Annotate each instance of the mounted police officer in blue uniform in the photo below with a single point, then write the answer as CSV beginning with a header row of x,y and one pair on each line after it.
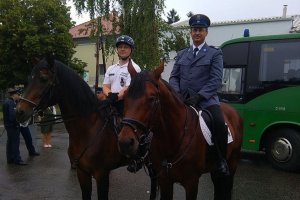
x,y
196,76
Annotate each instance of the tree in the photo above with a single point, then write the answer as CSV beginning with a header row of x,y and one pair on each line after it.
x,y
172,16
138,18
30,28
142,20
189,14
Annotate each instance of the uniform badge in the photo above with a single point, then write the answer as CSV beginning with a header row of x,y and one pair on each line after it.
x,y
122,82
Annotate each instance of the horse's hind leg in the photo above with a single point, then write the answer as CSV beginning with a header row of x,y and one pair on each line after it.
x,y
85,182
222,186
102,185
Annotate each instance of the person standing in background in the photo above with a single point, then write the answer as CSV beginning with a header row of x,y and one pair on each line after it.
x,y
25,131
47,122
12,128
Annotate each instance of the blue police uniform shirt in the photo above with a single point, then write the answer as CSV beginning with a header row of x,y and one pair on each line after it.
x,y
198,75
9,114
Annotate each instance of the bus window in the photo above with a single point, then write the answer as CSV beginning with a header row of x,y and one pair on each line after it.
x,y
235,62
232,81
232,84
280,62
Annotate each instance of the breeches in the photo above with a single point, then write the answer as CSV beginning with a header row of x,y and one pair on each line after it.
x,y
219,130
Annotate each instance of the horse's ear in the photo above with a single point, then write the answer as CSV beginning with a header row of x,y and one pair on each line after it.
x,y
131,69
157,72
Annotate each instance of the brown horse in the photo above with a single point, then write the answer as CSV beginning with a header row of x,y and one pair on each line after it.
x,y
177,147
93,147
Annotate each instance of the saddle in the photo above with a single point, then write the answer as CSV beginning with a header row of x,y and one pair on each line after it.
x,y
206,125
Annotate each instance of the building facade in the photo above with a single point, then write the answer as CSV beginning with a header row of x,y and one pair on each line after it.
x,y
86,48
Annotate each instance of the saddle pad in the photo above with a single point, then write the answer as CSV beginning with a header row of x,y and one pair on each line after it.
x,y
206,132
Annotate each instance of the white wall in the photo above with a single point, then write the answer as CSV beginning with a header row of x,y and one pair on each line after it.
x,y
219,34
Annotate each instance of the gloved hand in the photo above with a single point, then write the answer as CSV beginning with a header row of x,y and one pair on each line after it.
x,y
112,97
194,100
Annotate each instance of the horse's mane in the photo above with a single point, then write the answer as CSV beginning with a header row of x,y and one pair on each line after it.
x,y
79,93
74,89
136,88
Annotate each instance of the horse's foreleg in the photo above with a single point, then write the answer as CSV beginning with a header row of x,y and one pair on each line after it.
x,y
191,188
85,181
102,185
166,188
153,179
222,186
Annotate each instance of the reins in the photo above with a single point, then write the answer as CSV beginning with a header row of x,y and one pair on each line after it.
x,y
179,156
75,162
147,134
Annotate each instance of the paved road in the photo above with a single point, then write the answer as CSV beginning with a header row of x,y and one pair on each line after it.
x,y
49,177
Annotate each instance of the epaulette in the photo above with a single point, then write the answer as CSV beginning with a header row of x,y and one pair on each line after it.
x,y
214,47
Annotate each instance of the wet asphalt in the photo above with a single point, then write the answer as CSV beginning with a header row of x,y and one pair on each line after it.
x,y
49,177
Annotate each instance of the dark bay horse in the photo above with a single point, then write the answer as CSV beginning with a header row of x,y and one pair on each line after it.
x,y
93,146
178,150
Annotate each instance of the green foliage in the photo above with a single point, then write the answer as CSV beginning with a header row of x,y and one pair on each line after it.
x,y
78,65
140,19
175,39
30,28
172,16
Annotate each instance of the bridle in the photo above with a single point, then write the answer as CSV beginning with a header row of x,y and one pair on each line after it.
x,y
47,94
147,134
146,130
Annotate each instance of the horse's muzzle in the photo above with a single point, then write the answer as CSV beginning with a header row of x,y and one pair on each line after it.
x,y
23,116
128,147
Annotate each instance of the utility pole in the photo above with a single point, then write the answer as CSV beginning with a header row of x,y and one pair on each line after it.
x,y
103,53
97,62
97,52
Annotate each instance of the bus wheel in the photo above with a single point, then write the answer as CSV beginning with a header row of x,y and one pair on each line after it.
x,y
283,149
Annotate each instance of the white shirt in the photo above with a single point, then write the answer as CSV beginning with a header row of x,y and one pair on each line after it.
x,y
117,76
199,47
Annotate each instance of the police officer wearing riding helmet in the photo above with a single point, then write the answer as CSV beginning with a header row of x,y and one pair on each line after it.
x,y
196,76
117,77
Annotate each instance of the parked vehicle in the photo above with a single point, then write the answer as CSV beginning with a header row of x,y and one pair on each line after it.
x,y
261,79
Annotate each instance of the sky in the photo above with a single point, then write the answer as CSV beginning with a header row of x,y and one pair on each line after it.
x,y
222,10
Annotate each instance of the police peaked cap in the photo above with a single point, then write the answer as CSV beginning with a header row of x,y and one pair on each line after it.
x,y
199,20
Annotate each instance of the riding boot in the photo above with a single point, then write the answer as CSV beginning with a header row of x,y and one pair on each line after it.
x,y
221,148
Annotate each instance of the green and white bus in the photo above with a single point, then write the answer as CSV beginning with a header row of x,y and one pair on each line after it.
x,y
261,79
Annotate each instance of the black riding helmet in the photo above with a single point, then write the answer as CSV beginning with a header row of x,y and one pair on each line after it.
x,y
125,39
